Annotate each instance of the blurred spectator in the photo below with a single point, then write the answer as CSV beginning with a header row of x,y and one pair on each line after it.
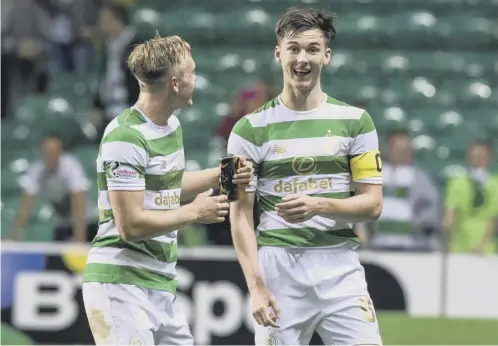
x,y
410,217
60,178
24,50
118,89
245,102
72,29
471,204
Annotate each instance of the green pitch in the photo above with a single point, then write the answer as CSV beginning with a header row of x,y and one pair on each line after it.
x,y
400,329
396,329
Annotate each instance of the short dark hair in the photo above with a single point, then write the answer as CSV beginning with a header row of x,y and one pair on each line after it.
x,y
52,135
296,20
397,132
485,143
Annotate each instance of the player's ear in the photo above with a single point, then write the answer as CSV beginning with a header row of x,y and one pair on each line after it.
x,y
328,54
277,54
175,84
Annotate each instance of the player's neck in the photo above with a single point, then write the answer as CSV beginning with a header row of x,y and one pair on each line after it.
x,y
155,107
301,100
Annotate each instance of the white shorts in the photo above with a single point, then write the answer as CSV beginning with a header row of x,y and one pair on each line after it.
x,y
322,290
130,315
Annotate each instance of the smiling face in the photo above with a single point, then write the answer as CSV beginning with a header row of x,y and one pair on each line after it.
x,y
302,56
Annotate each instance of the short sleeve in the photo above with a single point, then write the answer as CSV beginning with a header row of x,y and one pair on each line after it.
x,y
364,155
75,175
124,156
30,183
243,141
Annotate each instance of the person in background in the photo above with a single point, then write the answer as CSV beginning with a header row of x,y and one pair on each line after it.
x,y
118,89
60,178
72,28
471,205
24,50
245,102
410,216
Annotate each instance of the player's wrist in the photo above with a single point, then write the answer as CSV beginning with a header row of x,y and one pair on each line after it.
x,y
324,206
215,178
257,284
191,212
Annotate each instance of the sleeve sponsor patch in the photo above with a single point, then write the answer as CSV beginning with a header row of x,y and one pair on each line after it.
x,y
119,171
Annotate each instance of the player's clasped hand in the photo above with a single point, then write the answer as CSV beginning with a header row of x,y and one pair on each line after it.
x,y
211,209
264,308
296,208
245,173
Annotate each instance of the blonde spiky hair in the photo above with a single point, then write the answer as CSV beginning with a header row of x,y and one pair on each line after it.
x,y
153,59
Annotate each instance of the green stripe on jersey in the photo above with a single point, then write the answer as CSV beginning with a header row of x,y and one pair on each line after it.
x,y
100,272
106,216
254,135
268,202
334,101
126,134
167,181
164,252
166,145
304,237
278,169
270,104
130,117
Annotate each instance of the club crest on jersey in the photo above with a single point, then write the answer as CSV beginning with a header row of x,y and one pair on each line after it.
x,y
119,171
333,143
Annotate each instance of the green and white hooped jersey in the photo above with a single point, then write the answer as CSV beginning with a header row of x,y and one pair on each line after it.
x,y
320,152
137,155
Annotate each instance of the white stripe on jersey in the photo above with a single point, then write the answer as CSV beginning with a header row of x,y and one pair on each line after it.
x,y
271,220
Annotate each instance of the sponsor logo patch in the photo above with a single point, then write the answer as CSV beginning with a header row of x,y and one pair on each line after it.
x,y
119,171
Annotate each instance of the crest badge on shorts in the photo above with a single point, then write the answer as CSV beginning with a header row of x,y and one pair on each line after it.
x,y
136,341
333,143
271,340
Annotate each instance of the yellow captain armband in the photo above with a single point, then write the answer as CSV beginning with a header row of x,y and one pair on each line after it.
x,y
367,167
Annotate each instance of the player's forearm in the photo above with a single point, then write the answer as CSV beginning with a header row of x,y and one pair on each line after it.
x,y
490,232
153,223
79,216
22,215
194,183
244,241
364,207
79,225
19,221
449,219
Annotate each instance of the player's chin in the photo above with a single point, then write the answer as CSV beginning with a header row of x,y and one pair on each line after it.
x,y
304,85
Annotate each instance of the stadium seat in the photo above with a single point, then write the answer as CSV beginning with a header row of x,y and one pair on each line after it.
x,y
87,155
47,114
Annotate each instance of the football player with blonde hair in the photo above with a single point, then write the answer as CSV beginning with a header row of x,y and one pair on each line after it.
x,y
130,276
